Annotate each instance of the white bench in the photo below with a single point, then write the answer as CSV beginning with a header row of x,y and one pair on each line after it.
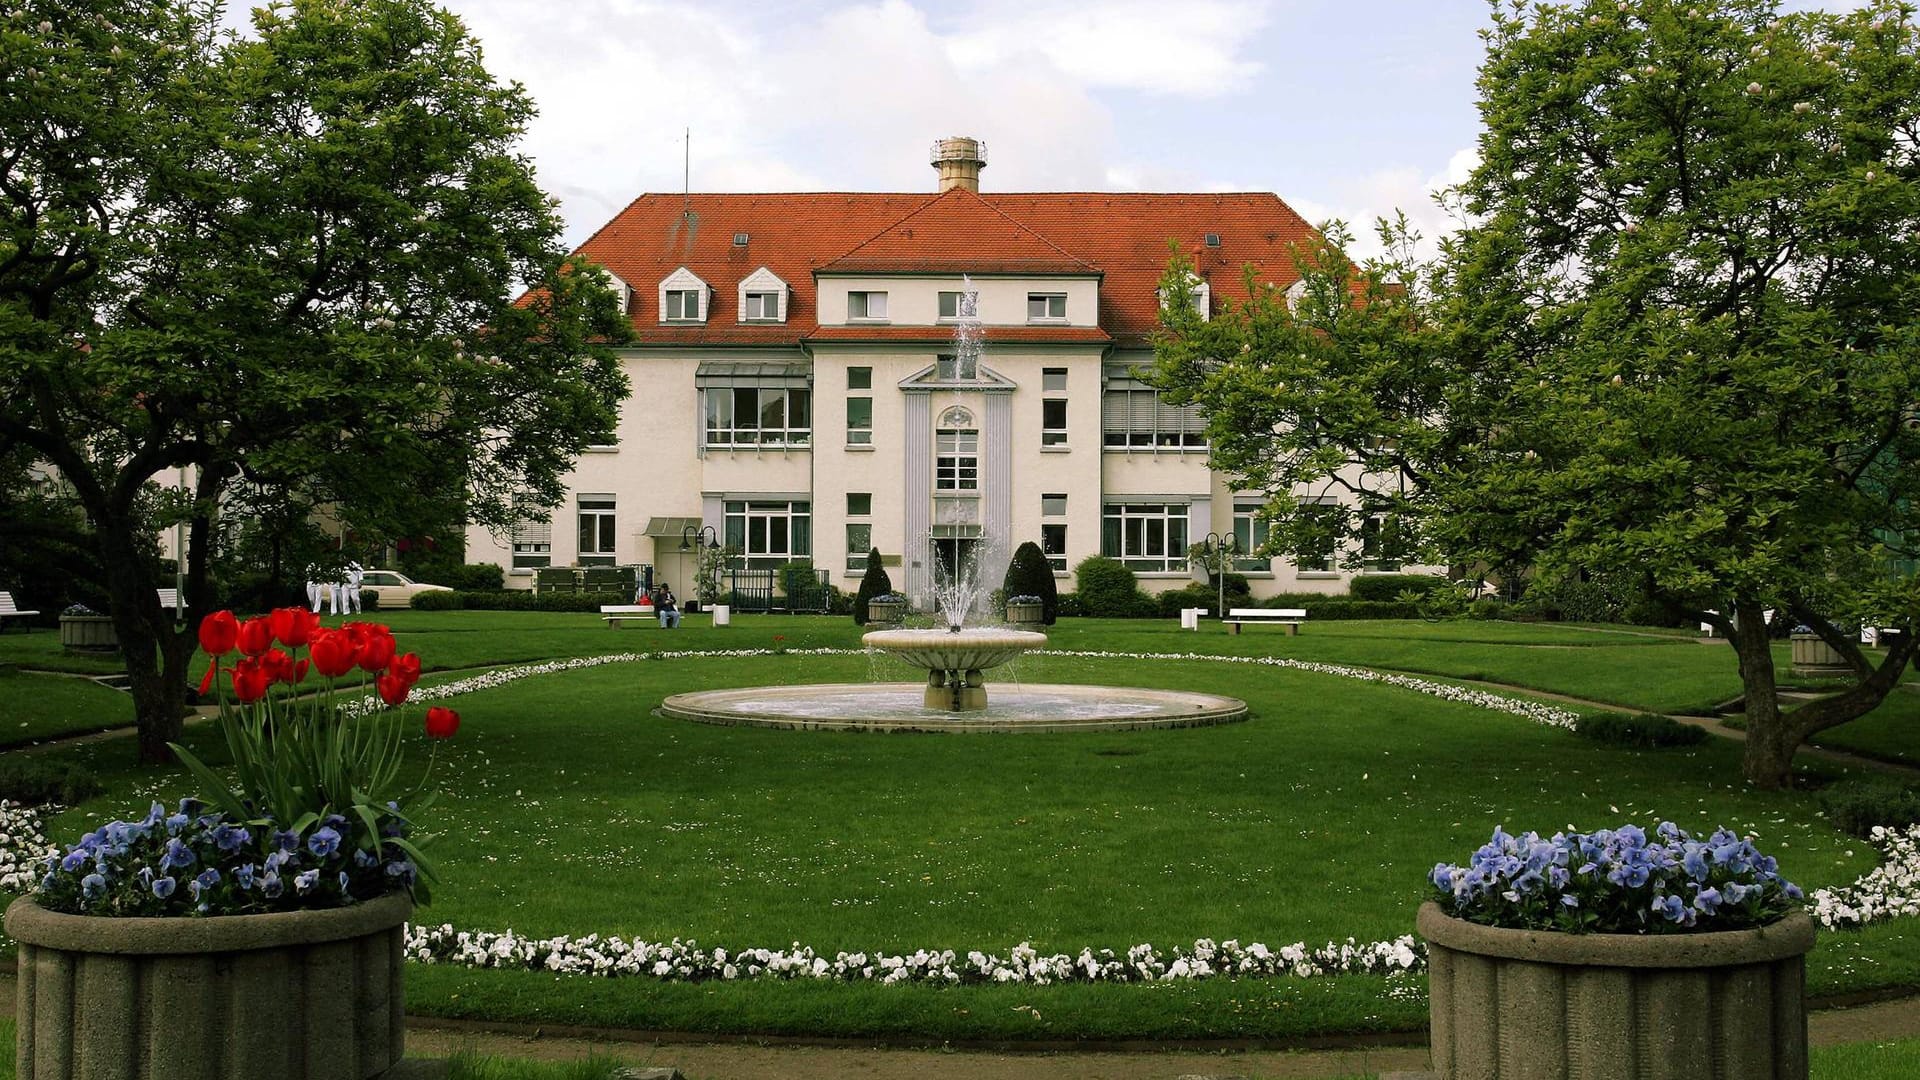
x,y
169,599
1291,618
9,608
615,614
1190,617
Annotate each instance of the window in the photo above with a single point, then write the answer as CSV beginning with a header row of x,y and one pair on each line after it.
x,y
763,415
859,542
1046,307
1053,544
769,533
1053,534
1202,297
1146,536
1053,422
1319,535
1249,532
532,545
1053,379
1381,543
859,421
956,461
859,504
1139,418
867,305
596,530
959,305
859,378
762,307
683,305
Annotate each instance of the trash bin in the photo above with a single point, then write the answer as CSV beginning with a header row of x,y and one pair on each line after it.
x,y
1190,618
722,615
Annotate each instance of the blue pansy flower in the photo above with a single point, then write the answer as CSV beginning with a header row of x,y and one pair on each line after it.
x,y
306,880
324,841
92,885
163,887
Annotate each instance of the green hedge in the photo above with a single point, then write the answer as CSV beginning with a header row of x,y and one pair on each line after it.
x,y
1390,586
1647,731
1856,806
512,600
36,782
474,577
1107,590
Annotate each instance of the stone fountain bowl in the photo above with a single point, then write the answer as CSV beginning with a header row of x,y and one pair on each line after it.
x,y
972,649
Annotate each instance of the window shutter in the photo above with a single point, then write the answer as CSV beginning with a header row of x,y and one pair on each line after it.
x,y
1113,411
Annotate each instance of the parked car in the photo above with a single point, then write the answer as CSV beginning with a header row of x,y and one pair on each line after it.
x,y
394,589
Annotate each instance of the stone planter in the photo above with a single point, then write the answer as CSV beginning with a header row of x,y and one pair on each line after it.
x,y
306,995
889,612
88,632
1026,614
1525,1004
1812,656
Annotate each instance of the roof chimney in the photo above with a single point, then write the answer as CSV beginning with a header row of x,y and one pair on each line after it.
x,y
959,160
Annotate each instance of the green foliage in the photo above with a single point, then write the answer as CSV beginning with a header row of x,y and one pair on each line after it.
x,y
437,601
709,564
1647,731
1487,608
1107,589
36,781
1029,574
516,600
1857,806
1391,586
290,255
874,582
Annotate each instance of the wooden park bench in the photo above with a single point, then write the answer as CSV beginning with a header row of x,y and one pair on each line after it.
x,y
1291,618
615,614
9,609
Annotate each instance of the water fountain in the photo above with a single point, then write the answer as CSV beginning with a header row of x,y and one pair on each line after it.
x,y
955,657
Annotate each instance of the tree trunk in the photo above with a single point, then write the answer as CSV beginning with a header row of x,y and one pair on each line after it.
x,y
1769,757
155,654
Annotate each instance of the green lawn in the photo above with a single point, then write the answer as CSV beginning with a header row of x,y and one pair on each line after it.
x,y
34,706
571,809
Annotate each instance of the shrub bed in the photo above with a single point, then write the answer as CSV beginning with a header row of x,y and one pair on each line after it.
x,y
1856,806
1647,731
1390,586
36,782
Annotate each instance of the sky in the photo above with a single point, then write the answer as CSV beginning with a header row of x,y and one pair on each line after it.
x,y
1344,108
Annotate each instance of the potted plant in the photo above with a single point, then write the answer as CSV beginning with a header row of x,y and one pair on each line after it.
x,y
255,931
83,628
1812,656
1618,954
888,609
1026,610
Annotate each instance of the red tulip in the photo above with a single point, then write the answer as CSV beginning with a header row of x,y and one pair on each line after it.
x,y
299,671
442,722
294,626
393,689
250,682
256,636
218,632
278,666
333,652
376,652
206,681
407,666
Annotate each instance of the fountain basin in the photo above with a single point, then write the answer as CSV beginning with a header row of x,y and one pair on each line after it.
x,y
891,707
954,659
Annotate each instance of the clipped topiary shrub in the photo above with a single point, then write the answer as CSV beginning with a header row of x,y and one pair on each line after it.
x,y
1107,590
437,601
35,782
874,582
1856,806
1030,575
1390,586
1647,731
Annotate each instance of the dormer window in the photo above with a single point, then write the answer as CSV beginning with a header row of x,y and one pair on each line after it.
x,y
684,298
1202,296
763,297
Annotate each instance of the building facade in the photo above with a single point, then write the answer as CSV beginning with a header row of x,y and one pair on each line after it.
x,y
939,376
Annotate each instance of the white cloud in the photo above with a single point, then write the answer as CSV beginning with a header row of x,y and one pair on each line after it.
x,y
1190,49
1380,193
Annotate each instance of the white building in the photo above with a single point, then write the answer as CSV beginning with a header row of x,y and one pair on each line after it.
x,y
797,387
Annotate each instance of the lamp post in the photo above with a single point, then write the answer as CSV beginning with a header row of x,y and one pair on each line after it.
x,y
693,538
1217,550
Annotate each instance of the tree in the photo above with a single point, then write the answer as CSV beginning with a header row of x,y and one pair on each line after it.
x,y
1680,331
1029,574
283,261
874,582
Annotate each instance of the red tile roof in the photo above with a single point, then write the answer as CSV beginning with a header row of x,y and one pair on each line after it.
x,y
994,335
1124,237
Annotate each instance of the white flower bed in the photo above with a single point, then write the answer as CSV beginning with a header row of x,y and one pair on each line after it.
x,y
1887,891
23,847
1550,715
687,961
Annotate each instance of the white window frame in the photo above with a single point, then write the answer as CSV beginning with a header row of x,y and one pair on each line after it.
x,y
1202,297
862,309
764,530
956,460
760,307
1150,538
1249,532
757,286
1047,300
1054,506
965,304
1053,436
684,280
721,417
598,528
